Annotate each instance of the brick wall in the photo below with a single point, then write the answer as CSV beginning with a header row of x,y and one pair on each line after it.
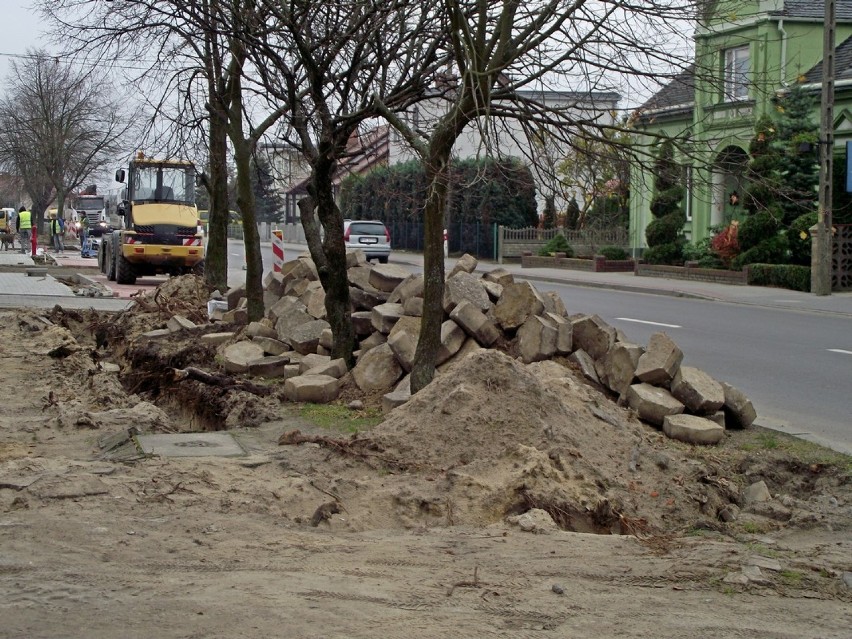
x,y
691,273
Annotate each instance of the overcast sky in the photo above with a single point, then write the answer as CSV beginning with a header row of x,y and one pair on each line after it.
x,y
21,29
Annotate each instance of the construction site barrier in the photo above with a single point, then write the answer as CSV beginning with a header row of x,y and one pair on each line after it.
x,y
277,250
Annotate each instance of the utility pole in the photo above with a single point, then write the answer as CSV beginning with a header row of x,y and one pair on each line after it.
x,y
822,237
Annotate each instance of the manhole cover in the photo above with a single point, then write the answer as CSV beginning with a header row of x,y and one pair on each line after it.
x,y
191,445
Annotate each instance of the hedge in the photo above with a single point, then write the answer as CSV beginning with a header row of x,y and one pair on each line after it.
x,y
791,276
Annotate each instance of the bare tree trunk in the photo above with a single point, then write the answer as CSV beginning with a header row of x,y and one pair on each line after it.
x,y
251,238
330,256
437,176
216,260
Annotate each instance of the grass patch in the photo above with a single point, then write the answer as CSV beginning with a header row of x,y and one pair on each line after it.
x,y
791,578
795,447
753,528
339,418
764,551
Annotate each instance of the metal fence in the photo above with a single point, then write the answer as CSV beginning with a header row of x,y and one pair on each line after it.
x,y
476,239
483,241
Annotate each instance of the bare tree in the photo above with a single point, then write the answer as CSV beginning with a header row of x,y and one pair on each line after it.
x,y
499,48
58,127
324,61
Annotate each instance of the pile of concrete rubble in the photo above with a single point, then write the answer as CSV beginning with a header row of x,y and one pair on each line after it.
x,y
293,342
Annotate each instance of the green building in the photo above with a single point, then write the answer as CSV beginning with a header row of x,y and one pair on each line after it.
x,y
747,55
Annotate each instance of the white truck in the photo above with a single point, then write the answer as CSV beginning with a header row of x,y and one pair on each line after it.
x,y
93,207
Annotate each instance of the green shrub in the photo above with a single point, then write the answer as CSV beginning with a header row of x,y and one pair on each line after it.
x,y
702,253
671,253
664,230
800,247
756,228
558,244
791,276
613,253
771,251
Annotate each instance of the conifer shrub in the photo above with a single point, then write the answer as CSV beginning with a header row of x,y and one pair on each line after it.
x,y
557,244
799,238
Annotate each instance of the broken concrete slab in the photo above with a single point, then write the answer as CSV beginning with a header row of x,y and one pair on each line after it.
x,y
499,276
660,362
467,263
215,339
739,411
261,329
377,369
516,304
475,323
586,364
617,368
384,316
453,337
403,340
237,356
410,287
593,335
271,346
692,429
304,338
695,389
386,277
319,389
334,368
180,323
465,287
269,366
536,339
652,403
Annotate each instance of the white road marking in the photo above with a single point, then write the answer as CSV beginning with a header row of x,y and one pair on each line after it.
x,y
838,350
638,321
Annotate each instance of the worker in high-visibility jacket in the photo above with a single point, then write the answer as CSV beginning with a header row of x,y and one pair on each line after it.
x,y
24,226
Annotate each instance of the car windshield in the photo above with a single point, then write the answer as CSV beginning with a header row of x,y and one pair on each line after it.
x,y
90,204
163,183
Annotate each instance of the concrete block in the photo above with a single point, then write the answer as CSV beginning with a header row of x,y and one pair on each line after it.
x,y
692,429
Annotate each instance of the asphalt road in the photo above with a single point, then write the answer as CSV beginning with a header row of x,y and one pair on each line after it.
x,y
796,366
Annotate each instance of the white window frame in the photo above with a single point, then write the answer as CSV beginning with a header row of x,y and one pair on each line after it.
x,y
689,185
737,67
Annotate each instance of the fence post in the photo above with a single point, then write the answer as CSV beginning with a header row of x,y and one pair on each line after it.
x,y
501,231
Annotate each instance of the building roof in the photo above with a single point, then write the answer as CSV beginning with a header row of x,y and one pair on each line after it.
x,y
842,64
679,92
813,9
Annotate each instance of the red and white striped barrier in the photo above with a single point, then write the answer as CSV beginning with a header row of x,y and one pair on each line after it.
x,y
277,250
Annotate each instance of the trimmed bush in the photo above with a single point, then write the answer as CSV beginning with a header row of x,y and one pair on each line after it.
x,y
771,251
557,244
664,230
613,253
757,228
799,238
790,276
664,254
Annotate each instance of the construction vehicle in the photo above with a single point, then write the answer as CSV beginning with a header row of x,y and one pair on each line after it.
x,y
160,223
93,207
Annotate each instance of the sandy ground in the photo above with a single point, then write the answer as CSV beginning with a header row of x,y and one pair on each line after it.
x,y
427,541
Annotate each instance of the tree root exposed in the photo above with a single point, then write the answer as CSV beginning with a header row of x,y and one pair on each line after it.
x,y
222,381
361,449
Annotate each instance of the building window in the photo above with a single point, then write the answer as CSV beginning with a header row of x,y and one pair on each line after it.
x,y
687,178
736,73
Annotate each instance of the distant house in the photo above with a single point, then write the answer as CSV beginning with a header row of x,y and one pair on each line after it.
x,y
747,54
383,146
